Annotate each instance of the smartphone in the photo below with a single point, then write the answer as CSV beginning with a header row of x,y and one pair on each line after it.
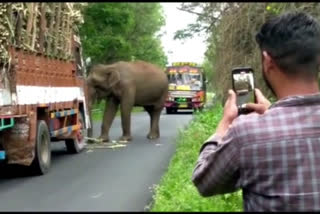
x,y
243,85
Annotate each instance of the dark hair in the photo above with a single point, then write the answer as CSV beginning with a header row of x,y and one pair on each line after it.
x,y
293,41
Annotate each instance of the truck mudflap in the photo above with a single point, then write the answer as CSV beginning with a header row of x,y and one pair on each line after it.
x,y
18,143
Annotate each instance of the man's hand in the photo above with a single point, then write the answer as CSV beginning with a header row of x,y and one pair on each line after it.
x,y
262,104
230,112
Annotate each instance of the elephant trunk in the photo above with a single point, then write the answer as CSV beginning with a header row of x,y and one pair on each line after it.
x,y
91,101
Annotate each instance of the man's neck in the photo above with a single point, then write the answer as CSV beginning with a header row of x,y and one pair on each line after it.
x,y
293,88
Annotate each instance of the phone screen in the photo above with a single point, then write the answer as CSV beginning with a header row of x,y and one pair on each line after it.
x,y
243,83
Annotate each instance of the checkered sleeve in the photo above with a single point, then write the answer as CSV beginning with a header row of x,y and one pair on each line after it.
x,y
217,168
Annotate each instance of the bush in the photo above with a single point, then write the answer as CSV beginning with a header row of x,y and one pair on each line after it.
x,y
176,191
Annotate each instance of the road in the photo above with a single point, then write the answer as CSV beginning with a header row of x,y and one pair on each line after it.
x,y
100,179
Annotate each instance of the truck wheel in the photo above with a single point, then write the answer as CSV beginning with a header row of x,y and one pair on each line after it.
x,y
78,143
169,110
42,161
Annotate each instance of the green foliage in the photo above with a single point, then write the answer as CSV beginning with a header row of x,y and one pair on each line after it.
x,y
123,31
207,67
176,191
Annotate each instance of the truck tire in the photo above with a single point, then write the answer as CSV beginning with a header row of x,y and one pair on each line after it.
x,y
42,161
78,143
169,110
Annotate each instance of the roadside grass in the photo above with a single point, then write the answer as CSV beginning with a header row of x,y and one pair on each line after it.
x,y
98,109
176,191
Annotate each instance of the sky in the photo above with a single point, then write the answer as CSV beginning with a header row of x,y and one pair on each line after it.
x,y
189,50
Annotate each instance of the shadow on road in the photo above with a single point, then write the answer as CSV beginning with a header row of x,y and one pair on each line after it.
x,y
14,171
9,171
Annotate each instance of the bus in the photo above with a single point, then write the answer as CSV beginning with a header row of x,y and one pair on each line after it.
x,y
187,87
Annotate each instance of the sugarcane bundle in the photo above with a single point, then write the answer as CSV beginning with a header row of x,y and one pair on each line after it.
x,y
5,33
39,27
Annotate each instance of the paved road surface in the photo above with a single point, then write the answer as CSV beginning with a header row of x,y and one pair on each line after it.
x,y
98,180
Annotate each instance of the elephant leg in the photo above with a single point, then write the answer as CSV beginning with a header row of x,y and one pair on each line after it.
x,y
149,109
110,111
127,103
155,117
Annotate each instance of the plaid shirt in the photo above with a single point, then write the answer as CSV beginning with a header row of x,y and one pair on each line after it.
x,y
274,158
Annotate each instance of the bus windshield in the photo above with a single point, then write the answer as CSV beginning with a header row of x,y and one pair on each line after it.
x,y
192,79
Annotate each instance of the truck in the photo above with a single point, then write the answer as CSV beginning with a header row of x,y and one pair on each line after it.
x,y
43,95
187,87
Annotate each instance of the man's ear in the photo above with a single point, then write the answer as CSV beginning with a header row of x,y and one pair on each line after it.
x,y
269,63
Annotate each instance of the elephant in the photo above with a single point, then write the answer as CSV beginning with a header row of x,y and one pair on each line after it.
x,y
128,84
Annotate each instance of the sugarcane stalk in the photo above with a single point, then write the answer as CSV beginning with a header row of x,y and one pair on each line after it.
x,y
61,34
57,27
9,12
34,29
18,30
70,23
30,21
43,24
66,27
9,21
50,32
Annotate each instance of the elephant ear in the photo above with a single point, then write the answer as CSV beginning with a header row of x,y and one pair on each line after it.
x,y
113,76
104,76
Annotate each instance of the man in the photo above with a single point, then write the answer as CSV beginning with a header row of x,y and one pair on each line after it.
x,y
273,154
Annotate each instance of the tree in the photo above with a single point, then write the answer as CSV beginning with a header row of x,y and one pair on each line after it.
x,y
231,29
123,31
